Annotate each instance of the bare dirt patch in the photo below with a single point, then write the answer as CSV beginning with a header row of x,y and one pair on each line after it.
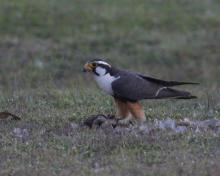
x,y
176,126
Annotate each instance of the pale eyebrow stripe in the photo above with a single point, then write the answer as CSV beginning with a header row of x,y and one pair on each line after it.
x,y
102,62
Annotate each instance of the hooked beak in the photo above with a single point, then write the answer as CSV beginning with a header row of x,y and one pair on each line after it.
x,y
88,67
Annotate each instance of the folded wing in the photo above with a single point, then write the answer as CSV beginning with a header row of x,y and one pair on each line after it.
x,y
134,87
165,83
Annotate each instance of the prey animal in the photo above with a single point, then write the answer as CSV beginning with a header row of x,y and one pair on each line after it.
x,y
128,88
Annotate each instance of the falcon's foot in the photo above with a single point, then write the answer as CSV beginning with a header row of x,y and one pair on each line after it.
x,y
125,121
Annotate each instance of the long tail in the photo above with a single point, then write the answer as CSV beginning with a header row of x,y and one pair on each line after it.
x,y
173,93
166,83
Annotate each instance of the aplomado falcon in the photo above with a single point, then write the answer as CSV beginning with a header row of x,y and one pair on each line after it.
x,y
128,88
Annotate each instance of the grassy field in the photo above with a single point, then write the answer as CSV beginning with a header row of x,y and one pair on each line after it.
x,y
43,46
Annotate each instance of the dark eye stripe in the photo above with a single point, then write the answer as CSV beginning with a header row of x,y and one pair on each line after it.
x,y
94,64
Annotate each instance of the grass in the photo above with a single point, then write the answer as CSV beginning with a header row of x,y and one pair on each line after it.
x,y
43,45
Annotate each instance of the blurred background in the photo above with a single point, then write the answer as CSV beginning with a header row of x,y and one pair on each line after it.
x,y
47,42
43,47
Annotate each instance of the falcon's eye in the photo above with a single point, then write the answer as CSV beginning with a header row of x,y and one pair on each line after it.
x,y
94,64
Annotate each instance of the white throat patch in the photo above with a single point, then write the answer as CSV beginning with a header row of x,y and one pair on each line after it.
x,y
104,81
101,71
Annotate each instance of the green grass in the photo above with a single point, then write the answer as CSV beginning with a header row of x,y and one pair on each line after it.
x,y
43,46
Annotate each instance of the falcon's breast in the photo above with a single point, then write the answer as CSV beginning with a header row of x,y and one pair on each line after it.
x,y
105,82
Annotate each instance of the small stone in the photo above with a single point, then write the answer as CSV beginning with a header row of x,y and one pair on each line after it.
x,y
184,122
144,128
74,125
180,129
20,133
167,124
210,123
218,130
197,130
108,124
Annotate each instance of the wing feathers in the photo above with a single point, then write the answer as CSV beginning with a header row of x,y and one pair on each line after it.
x,y
133,87
166,92
165,83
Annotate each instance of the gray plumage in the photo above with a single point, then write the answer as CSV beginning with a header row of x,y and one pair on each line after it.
x,y
128,88
133,87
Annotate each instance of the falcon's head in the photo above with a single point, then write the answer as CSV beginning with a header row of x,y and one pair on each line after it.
x,y
97,66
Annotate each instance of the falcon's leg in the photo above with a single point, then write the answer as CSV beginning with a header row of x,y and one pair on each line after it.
x,y
122,109
136,110
122,113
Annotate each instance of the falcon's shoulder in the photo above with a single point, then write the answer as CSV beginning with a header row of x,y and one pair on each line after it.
x,y
132,86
